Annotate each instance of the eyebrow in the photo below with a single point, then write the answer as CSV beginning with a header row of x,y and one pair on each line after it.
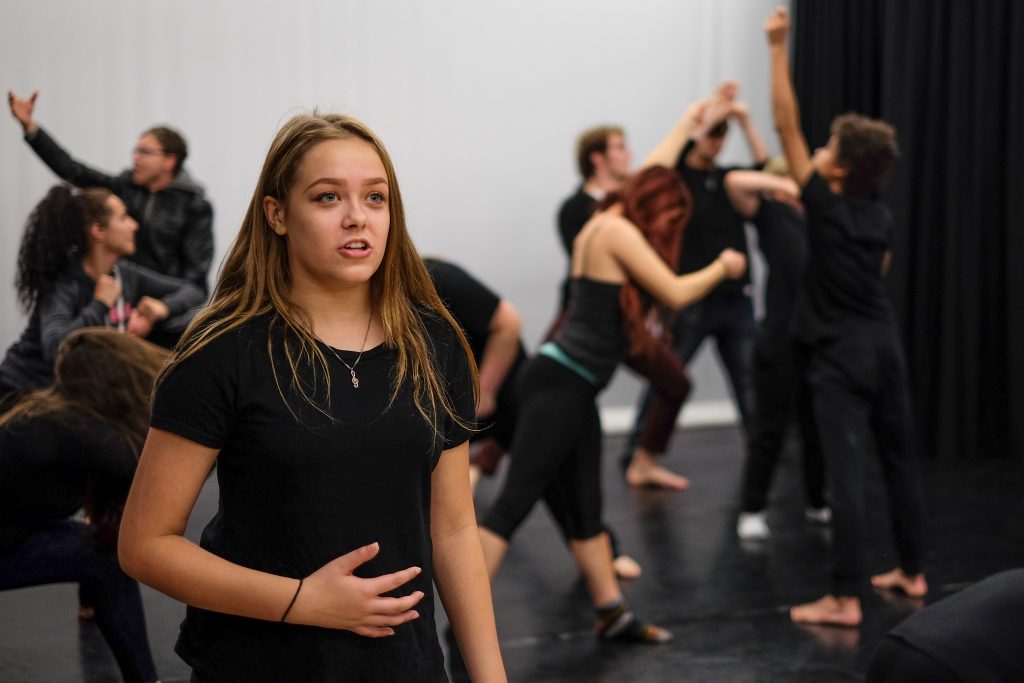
x,y
343,182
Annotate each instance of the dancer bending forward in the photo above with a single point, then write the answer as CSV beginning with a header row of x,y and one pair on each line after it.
x,y
619,274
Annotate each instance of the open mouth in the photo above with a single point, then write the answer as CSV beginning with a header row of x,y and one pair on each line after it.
x,y
356,245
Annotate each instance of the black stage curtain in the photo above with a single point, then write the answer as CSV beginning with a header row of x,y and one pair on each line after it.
x,y
949,75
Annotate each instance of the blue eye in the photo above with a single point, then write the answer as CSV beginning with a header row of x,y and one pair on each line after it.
x,y
377,197
327,197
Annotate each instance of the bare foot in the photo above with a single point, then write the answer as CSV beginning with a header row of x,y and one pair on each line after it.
x,y
626,568
646,472
842,611
914,586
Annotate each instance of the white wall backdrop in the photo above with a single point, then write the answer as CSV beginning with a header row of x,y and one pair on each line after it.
x,y
479,103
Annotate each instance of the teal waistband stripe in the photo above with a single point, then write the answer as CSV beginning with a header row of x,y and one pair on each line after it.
x,y
554,352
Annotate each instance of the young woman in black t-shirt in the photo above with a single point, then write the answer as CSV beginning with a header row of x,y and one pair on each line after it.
x,y
71,446
335,394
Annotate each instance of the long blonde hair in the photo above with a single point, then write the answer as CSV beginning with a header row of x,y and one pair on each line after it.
x,y
255,277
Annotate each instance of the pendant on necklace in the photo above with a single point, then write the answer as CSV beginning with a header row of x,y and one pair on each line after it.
x,y
355,380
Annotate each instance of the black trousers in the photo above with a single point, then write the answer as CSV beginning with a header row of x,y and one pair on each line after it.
x,y
556,453
862,405
779,380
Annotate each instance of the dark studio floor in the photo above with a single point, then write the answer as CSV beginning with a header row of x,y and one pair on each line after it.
x,y
725,602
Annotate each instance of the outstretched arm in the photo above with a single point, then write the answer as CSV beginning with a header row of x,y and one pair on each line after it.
x,y
22,109
642,265
52,154
745,189
784,107
741,112
667,151
695,121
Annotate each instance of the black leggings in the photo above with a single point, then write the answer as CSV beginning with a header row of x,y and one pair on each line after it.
x,y
556,453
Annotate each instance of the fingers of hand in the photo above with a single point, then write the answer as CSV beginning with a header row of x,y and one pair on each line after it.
x,y
389,582
359,556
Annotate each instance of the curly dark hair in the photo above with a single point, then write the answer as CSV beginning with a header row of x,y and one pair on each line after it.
x,y
55,236
658,202
867,149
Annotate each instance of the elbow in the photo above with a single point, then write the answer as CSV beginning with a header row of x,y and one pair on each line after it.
x,y
128,557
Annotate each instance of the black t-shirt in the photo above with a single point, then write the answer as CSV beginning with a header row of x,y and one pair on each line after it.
x,y
473,305
46,464
975,633
299,488
572,216
714,224
780,234
847,239
470,302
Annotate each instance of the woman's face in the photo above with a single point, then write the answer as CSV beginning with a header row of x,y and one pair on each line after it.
x,y
117,235
336,218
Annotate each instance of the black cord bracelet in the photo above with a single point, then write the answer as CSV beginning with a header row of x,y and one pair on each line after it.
x,y
290,604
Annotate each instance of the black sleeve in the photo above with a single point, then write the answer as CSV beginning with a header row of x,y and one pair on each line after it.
x,y
572,216
60,314
454,364
61,163
197,243
197,399
469,301
177,294
687,148
816,196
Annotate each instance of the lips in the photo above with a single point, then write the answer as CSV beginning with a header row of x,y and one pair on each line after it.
x,y
356,248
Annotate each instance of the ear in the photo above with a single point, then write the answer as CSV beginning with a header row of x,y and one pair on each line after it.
x,y
170,160
96,232
274,210
597,159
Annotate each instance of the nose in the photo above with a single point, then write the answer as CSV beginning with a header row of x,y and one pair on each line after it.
x,y
355,217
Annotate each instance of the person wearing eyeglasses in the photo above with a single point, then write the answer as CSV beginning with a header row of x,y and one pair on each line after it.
x,y
175,219
727,314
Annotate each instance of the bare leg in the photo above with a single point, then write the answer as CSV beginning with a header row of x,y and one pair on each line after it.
x,y
914,586
644,470
594,558
836,611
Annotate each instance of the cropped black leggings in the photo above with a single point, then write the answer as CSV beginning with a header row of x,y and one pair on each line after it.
x,y
555,454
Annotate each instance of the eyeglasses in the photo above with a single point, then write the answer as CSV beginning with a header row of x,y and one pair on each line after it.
x,y
147,152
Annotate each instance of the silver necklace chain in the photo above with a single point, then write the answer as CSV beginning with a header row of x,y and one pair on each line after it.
x,y
352,368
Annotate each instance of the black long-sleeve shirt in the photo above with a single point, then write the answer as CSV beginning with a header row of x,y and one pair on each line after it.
x,y
70,304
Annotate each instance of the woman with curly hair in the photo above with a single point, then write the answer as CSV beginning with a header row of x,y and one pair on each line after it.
x,y
71,274
620,273
74,446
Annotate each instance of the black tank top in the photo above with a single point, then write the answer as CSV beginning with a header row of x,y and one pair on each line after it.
x,y
592,335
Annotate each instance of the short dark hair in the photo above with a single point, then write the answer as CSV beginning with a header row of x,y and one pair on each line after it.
x,y
590,141
172,143
867,149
